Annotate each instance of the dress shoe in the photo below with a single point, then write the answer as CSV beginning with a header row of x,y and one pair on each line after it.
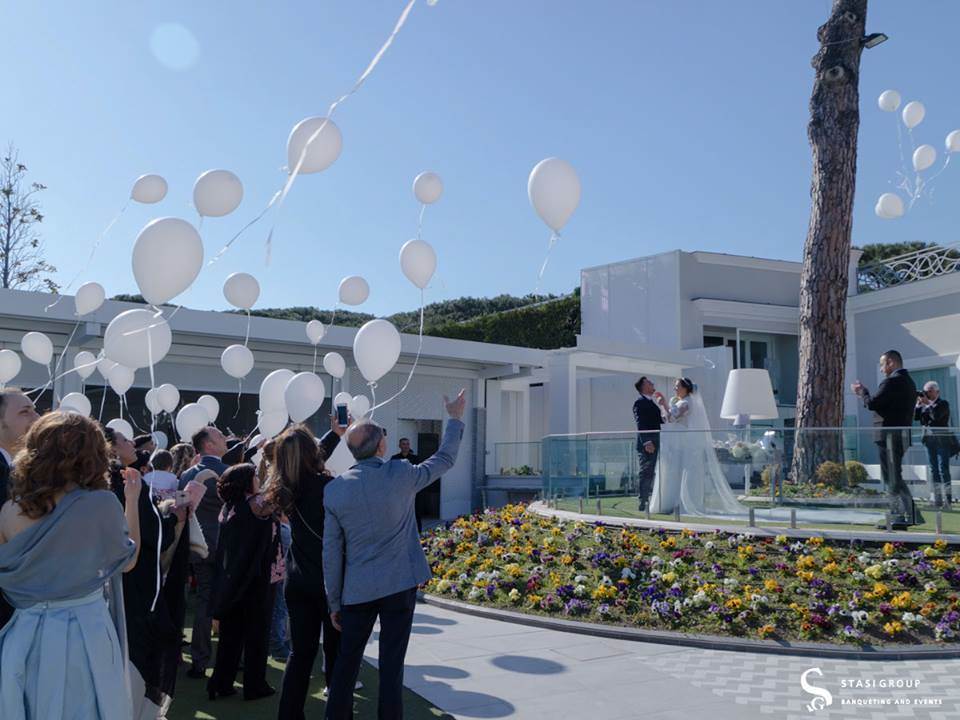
x,y
265,691
213,692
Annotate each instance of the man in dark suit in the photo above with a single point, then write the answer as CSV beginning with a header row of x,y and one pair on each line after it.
x,y
933,412
211,446
648,414
17,414
407,454
894,402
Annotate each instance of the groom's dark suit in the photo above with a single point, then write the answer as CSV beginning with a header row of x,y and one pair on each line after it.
x,y
648,417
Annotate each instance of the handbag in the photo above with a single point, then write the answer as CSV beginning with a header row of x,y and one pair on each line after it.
x,y
198,543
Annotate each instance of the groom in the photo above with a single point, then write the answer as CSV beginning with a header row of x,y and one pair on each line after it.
x,y
648,414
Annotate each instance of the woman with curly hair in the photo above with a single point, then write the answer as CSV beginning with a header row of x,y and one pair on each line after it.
x,y
246,551
184,457
63,650
296,484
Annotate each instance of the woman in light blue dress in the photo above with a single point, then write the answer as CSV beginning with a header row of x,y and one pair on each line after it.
x,y
63,544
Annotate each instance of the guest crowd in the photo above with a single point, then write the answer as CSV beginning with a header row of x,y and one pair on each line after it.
x,y
104,540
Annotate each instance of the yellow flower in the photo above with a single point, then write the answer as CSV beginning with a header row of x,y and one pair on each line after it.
x,y
604,592
770,585
669,577
893,627
646,548
513,570
765,630
815,541
470,561
599,530
929,552
903,601
670,542
566,560
831,568
556,532
888,549
487,564
940,564
621,562
874,571
805,562
880,590
733,603
514,595
940,544
805,575
781,539
534,599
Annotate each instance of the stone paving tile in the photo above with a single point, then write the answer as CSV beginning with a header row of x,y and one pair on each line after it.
x,y
590,651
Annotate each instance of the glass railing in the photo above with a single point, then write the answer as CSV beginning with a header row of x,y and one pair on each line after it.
x,y
831,478
518,458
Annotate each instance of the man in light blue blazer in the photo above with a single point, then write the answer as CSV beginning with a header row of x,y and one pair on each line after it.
x,y
372,559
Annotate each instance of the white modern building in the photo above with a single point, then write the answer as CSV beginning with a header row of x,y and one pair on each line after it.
x,y
697,314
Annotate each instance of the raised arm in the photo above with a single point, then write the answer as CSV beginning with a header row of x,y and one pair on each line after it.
x,y
444,458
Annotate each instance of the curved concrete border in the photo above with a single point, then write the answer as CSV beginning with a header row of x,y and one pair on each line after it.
x,y
712,642
879,536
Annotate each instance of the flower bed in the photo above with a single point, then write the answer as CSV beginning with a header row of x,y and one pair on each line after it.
x,y
716,583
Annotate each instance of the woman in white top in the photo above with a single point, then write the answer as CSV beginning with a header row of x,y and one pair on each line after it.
x,y
666,494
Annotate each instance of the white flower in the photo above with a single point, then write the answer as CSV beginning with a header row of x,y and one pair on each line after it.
x,y
655,574
930,587
910,619
675,562
730,582
628,574
606,580
891,563
857,575
580,590
580,579
677,607
864,558
709,545
656,560
475,593
797,547
859,617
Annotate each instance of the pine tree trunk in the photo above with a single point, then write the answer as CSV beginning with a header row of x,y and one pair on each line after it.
x,y
834,122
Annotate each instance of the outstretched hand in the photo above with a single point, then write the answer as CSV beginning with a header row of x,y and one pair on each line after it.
x,y
456,407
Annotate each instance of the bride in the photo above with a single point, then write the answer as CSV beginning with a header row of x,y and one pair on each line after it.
x,y
689,474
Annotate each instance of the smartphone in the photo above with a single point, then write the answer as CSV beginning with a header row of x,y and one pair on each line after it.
x,y
342,420
181,498
921,394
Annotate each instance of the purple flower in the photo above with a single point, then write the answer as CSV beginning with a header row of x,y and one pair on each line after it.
x,y
490,589
576,607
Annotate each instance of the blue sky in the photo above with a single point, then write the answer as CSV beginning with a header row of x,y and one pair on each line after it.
x,y
686,122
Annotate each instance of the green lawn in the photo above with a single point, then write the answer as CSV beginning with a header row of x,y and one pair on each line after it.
x,y
620,506
191,702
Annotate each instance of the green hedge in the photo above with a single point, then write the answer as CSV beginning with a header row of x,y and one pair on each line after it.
x,y
547,326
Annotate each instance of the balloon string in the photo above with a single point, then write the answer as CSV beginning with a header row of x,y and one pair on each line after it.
x,y
239,395
333,317
93,251
242,230
316,133
413,369
554,237
373,397
246,338
103,400
40,389
56,368
423,207
315,347
153,380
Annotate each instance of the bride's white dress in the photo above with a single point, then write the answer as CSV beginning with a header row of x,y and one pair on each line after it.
x,y
689,475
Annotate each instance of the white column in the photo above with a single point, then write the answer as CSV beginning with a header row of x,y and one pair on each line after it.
x,y
563,394
494,434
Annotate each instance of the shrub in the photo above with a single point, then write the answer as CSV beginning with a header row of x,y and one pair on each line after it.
x,y
856,473
831,474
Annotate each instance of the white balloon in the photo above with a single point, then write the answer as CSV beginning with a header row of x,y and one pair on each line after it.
x,y
923,157
324,149
342,398
169,397
889,100
304,395
334,364
272,388
554,191
217,193
953,141
9,365
104,366
192,417
160,439
137,338
237,361
889,206
272,422
418,261
428,187
210,404
359,406
167,258
341,460
913,113
76,402
152,401
376,348
315,332
89,298
255,440
84,363
149,189
37,347
121,379
119,425
241,290
353,290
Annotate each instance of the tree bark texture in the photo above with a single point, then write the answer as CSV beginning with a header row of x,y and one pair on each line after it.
x,y
834,122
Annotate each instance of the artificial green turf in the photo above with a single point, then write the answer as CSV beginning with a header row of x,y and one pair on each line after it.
x,y
620,506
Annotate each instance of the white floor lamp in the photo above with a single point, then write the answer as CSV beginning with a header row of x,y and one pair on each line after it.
x,y
748,396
